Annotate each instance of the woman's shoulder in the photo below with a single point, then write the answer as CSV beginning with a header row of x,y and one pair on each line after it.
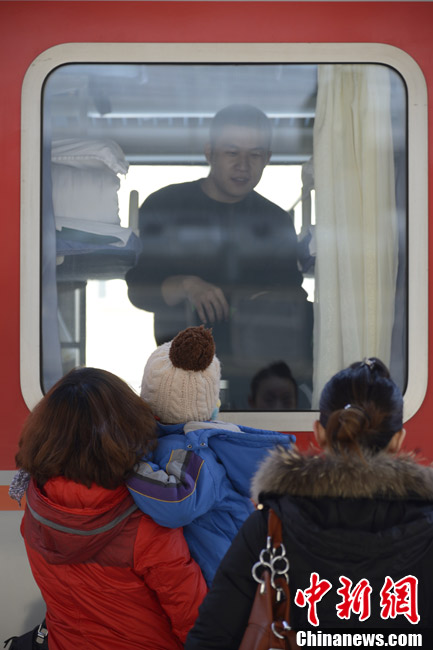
x,y
288,472
154,542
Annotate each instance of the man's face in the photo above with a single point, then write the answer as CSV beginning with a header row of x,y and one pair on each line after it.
x,y
237,160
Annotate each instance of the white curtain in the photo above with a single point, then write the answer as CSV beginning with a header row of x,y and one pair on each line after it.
x,y
356,220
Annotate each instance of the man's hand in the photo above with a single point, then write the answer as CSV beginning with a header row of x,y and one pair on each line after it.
x,y
206,298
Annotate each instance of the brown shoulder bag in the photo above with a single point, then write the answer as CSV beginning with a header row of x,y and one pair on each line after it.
x,y
269,623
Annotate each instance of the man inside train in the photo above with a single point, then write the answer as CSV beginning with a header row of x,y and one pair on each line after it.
x,y
216,252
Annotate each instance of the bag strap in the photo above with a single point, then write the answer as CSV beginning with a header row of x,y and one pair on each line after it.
x,y
275,528
41,635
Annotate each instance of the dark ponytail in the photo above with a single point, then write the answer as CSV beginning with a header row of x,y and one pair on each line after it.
x,y
361,408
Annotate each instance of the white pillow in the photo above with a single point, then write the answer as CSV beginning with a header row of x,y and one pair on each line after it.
x,y
89,154
85,194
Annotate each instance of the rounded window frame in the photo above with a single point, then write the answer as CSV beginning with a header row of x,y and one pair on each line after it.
x,y
417,207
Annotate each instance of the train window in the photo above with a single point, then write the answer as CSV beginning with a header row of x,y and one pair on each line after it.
x,y
275,196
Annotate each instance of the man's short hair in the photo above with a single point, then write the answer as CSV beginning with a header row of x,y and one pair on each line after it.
x,y
241,115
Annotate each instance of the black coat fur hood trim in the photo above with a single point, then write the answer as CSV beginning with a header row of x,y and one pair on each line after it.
x,y
383,475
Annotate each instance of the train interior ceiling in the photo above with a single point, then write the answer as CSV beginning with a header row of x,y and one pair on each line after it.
x,y
161,113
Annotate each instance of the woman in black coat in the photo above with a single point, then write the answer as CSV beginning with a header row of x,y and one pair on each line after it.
x,y
357,523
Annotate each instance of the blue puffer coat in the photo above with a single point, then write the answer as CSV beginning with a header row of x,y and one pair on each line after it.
x,y
199,478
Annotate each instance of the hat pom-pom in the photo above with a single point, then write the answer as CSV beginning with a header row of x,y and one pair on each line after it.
x,y
192,349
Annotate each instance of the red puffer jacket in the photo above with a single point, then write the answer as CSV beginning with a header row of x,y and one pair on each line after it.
x,y
110,576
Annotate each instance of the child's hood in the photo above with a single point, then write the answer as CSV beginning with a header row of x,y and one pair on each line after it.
x,y
238,448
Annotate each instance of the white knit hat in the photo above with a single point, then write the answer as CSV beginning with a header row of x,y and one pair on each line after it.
x,y
181,379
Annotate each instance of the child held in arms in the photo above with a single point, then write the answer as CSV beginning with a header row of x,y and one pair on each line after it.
x,y
199,475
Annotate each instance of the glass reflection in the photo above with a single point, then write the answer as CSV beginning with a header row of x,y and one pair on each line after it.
x,y
229,239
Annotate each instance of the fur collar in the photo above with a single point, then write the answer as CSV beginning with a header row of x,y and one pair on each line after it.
x,y
384,475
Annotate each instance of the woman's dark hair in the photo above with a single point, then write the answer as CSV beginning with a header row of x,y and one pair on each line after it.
x,y
361,408
90,427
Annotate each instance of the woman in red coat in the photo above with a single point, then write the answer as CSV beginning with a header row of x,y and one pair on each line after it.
x,y
110,576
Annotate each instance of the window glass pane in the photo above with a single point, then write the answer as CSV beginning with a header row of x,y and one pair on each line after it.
x,y
280,224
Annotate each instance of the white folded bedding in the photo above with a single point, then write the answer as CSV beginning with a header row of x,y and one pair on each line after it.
x,y
86,154
85,194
